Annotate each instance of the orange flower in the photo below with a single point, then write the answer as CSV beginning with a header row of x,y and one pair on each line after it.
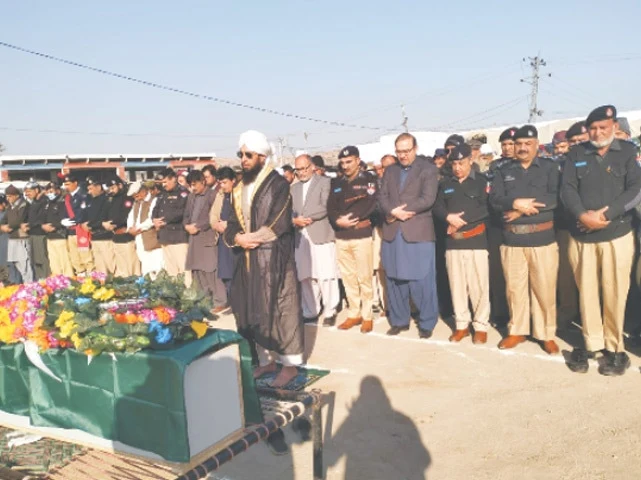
x,y
163,315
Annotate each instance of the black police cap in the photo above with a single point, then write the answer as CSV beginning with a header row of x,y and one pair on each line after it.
x,y
349,151
91,180
577,129
526,131
460,152
508,134
454,140
114,180
604,112
70,177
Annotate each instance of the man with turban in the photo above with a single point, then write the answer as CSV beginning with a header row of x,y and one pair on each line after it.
x,y
264,290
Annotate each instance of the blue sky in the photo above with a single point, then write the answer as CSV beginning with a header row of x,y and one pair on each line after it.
x,y
455,65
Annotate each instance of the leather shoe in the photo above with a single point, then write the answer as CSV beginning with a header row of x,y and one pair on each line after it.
x,y
479,338
425,334
349,323
329,321
615,364
367,326
396,330
511,341
459,335
550,347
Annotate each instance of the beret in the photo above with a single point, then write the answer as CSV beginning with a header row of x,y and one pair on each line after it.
x,y
560,137
577,129
454,140
507,134
603,112
440,152
11,190
460,152
349,151
624,125
526,131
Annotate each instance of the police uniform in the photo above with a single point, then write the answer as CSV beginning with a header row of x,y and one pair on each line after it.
x,y
101,246
78,243
173,237
59,261
37,238
125,258
354,246
529,253
19,251
500,313
590,183
466,249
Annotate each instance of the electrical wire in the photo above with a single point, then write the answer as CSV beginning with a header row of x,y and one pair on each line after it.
x,y
184,92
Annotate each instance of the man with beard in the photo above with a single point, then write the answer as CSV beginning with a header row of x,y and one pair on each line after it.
x,y
264,293
601,180
202,254
560,143
141,227
525,192
33,227
19,251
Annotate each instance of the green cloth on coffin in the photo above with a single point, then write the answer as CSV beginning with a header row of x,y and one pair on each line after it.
x,y
14,387
137,399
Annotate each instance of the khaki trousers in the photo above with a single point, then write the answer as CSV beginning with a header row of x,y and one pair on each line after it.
x,y
530,278
354,259
81,260
103,256
469,277
568,295
603,270
59,261
126,259
175,258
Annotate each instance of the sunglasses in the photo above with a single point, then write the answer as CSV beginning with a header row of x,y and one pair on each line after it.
x,y
247,155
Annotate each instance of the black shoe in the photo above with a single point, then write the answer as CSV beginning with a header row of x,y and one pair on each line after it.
x,y
329,321
276,443
376,309
396,330
578,361
615,364
310,319
422,333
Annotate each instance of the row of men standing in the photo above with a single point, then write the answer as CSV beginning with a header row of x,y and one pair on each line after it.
x,y
598,183
120,230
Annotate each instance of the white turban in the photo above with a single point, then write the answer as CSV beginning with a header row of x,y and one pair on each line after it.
x,y
255,142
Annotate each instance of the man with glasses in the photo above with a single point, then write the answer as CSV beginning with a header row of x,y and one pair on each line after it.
x,y
264,292
315,252
407,195
351,205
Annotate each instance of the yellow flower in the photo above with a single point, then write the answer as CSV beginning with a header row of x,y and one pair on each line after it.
x,y
104,294
67,329
6,333
199,327
7,292
87,287
64,317
75,338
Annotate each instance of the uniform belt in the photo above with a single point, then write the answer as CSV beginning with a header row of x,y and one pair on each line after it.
x,y
533,228
363,224
120,231
474,232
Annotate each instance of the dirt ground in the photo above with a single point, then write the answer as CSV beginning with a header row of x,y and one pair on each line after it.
x,y
405,408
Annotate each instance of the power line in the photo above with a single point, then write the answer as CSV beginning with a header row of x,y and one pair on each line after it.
x,y
184,92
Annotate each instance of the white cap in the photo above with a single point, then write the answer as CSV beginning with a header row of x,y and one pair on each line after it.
x,y
487,149
134,188
255,142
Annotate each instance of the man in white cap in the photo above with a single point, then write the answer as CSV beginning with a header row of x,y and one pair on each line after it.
x,y
264,290
141,226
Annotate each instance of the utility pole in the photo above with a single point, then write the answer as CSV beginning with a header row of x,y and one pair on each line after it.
x,y
535,63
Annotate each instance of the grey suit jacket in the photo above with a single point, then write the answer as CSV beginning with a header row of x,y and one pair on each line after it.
x,y
419,193
314,207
